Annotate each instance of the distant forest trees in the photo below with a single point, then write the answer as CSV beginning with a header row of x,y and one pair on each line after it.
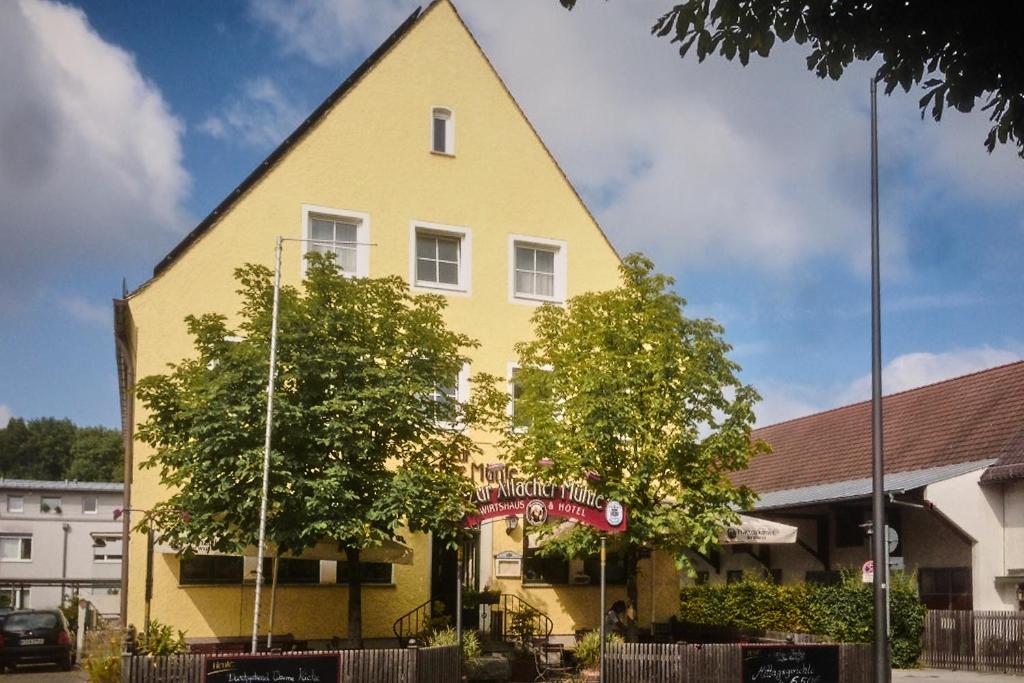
x,y
54,449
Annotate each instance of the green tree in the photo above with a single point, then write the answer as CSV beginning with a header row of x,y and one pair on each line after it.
x,y
97,454
962,52
364,446
620,385
36,449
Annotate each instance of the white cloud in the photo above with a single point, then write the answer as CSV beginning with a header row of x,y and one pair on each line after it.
x,y
259,116
90,155
918,369
86,311
328,33
5,415
908,371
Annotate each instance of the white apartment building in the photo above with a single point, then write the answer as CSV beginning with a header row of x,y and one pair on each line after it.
x,y
59,539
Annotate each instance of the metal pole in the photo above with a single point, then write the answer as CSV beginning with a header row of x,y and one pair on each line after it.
x,y
603,608
149,576
273,602
881,644
272,373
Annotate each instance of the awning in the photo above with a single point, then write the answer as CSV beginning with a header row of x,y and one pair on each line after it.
x,y
751,530
388,551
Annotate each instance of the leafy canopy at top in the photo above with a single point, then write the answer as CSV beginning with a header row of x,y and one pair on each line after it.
x,y
962,52
621,386
360,448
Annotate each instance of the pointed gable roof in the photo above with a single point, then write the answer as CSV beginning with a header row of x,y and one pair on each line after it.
x,y
325,107
289,142
966,419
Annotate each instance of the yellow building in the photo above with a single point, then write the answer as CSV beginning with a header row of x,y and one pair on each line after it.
x,y
424,158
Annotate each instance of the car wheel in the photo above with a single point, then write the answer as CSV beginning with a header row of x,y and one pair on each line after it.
x,y
67,663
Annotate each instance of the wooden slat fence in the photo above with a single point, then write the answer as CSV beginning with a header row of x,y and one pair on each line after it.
x,y
709,663
423,665
978,641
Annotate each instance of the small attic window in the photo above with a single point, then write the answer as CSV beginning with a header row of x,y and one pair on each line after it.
x,y
443,130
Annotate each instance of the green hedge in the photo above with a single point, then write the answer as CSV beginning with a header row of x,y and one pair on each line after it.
x,y
842,612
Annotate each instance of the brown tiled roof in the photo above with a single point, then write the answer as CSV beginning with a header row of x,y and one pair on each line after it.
x,y
974,417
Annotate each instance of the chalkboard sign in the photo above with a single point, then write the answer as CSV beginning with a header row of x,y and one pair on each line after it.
x,y
790,664
270,669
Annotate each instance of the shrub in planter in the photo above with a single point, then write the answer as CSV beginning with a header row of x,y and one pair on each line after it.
x,y
161,639
588,649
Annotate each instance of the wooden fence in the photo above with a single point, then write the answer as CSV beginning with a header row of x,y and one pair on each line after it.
x,y
978,641
710,663
422,665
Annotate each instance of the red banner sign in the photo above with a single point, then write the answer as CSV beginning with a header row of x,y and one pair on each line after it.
x,y
536,501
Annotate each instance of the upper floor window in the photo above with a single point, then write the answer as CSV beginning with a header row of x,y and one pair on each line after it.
x,y
445,399
343,234
443,130
50,504
90,505
15,548
441,256
538,269
15,504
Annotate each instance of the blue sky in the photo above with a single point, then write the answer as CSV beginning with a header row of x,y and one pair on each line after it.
x,y
123,124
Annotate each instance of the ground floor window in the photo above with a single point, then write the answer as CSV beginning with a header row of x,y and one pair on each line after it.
x,y
202,569
17,598
372,572
291,570
945,587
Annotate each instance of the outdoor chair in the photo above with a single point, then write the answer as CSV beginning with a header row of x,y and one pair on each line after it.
x,y
550,660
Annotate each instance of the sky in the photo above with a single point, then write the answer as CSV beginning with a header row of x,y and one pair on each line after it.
x,y
123,124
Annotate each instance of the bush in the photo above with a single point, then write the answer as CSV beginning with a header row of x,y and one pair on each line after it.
x,y
588,650
161,639
449,636
843,612
102,660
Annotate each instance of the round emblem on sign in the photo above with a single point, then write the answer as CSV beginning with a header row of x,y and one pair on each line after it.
x,y
536,512
613,513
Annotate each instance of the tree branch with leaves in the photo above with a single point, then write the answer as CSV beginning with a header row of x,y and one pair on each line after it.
x,y
621,388
362,448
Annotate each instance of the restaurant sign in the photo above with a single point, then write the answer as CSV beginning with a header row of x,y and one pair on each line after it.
x,y
537,501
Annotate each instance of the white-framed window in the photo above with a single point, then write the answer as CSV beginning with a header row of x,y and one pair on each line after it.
x,y
16,598
457,391
16,548
440,257
90,505
50,504
442,130
341,232
515,390
15,503
107,548
537,269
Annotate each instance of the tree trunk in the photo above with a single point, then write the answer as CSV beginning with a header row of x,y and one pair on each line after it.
x,y
355,599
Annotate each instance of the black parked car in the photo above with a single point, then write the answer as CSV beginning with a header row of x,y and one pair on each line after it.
x,y
36,636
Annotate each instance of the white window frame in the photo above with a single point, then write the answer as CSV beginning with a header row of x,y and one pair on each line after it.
x,y
449,130
95,505
559,247
106,538
360,218
465,237
52,508
461,394
21,547
20,507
